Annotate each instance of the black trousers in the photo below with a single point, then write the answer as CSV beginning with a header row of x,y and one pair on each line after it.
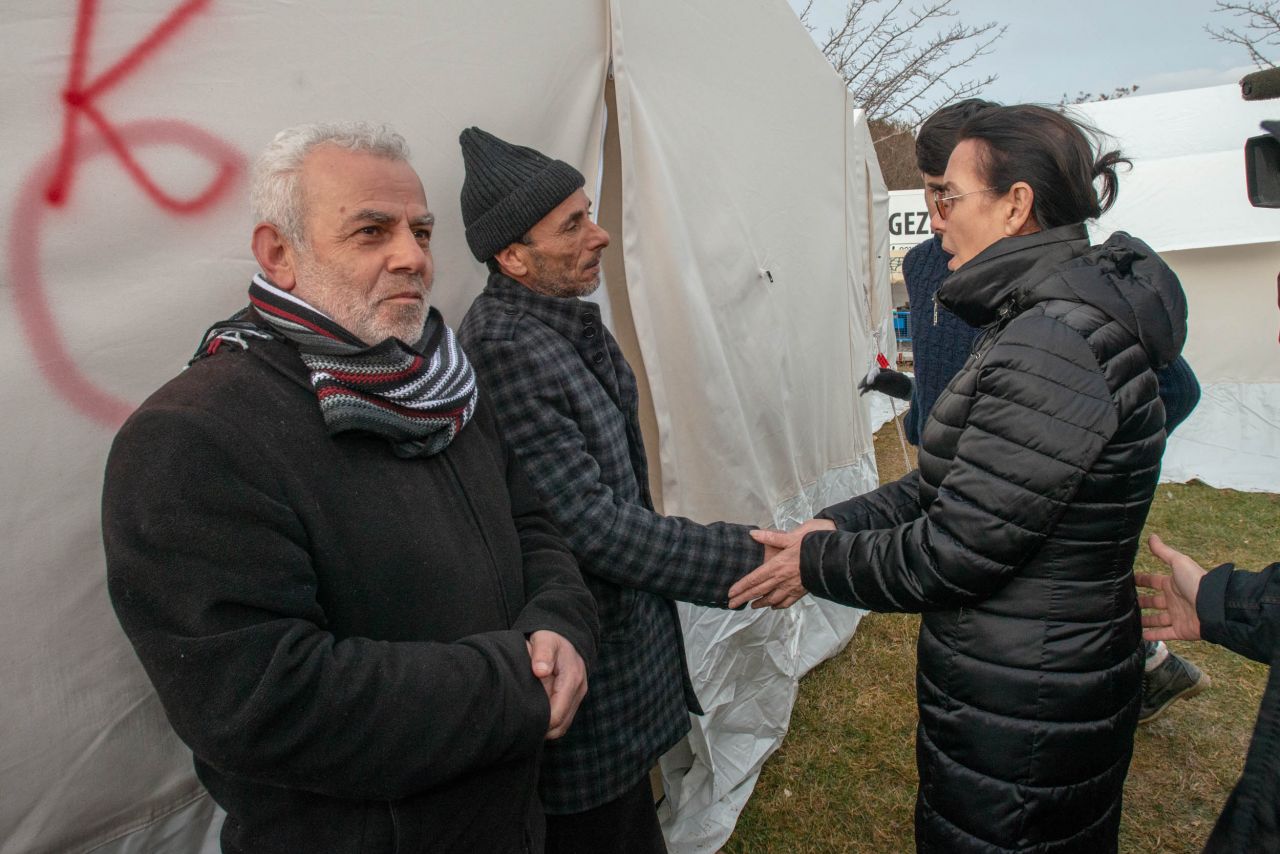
x,y
627,825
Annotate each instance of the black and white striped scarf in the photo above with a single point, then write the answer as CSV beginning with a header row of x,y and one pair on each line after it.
x,y
418,397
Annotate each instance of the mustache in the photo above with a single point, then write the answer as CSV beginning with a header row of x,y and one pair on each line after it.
x,y
413,281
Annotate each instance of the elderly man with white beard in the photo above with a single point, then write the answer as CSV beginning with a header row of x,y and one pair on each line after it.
x,y
351,603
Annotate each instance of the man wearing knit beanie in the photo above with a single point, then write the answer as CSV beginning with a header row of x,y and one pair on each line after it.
x,y
566,400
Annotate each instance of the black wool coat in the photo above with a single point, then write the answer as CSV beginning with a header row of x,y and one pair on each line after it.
x,y
1016,539
336,632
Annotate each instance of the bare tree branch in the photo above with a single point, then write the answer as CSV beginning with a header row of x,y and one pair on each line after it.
x,y
896,150
804,15
1086,97
896,62
1260,32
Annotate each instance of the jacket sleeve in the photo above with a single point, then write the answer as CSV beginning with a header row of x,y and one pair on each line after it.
x,y
613,539
555,597
1041,415
886,507
209,572
1241,610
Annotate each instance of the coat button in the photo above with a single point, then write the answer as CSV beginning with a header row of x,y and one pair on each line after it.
x,y
510,309
589,332
588,318
598,358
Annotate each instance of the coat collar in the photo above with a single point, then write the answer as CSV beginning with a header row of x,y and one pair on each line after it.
x,y
579,323
995,280
566,315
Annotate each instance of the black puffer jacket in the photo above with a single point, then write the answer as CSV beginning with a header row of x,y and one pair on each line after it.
x,y
1016,540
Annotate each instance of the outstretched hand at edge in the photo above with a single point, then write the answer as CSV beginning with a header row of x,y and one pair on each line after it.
x,y
1173,604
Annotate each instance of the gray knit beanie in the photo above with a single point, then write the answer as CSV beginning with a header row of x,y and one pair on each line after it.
x,y
508,189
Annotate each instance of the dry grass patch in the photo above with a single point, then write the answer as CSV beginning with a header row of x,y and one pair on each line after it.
x,y
844,780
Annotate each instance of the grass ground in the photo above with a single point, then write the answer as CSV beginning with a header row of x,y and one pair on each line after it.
x,y
844,780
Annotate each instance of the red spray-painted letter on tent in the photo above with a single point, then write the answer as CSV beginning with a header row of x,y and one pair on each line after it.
x,y
747,283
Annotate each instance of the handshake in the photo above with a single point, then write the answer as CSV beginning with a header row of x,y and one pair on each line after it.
x,y
776,582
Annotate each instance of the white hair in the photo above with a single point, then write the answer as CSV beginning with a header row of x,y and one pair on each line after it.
x,y
276,193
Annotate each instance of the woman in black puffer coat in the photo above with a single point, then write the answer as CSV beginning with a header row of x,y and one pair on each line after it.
x,y
1016,536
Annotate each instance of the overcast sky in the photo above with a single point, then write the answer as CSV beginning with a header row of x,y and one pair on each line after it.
x,y
1054,47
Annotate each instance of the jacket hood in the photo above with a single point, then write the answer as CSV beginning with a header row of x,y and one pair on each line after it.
x,y
1122,277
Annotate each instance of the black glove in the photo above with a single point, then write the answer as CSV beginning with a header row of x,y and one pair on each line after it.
x,y
892,383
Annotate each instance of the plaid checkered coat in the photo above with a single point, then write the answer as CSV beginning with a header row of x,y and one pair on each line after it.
x,y
566,401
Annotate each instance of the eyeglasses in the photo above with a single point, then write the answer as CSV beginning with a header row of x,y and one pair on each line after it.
x,y
943,203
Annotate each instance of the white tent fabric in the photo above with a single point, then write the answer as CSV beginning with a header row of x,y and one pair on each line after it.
x,y
1190,201
754,312
1185,196
747,272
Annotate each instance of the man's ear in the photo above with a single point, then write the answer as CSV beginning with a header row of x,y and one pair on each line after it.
x,y
512,261
1020,217
275,256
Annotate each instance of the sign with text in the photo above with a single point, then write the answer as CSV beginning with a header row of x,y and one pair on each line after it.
x,y
908,218
908,225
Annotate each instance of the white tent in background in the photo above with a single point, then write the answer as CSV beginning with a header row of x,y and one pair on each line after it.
x,y
747,280
1185,197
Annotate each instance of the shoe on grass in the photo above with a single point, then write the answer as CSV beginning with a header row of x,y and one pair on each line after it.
x,y
1172,679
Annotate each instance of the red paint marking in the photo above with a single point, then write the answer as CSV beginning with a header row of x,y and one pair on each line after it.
x,y
80,100
49,185
30,290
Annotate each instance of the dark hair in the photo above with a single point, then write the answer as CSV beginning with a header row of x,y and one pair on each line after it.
x,y
937,136
1053,153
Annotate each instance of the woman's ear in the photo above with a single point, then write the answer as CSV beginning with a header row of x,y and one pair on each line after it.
x,y
1020,217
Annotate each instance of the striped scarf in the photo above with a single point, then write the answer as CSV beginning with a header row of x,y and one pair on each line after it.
x,y
418,397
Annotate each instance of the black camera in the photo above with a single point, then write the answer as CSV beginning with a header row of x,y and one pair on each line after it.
x,y
1262,153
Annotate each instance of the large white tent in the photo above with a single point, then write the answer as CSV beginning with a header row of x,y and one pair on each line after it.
x,y
1185,196
747,281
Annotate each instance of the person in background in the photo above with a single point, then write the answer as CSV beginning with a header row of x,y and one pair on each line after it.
x,y
1015,537
1241,611
941,342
